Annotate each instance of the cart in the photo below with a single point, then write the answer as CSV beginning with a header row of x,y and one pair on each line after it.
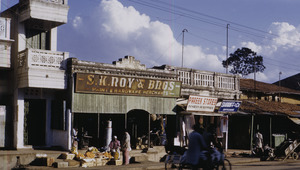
x,y
288,149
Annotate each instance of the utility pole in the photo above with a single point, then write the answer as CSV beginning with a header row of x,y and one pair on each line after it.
x,y
254,80
227,49
184,30
279,86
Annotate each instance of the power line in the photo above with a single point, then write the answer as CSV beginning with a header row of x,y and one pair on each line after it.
x,y
184,14
200,37
216,18
200,19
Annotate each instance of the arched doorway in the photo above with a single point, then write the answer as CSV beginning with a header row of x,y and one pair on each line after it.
x,y
137,125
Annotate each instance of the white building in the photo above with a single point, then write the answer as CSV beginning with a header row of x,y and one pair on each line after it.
x,y
34,73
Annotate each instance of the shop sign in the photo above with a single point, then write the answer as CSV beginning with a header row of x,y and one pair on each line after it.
x,y
109,84
230,106
199,103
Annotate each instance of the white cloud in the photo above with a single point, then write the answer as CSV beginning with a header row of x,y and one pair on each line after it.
x,y
77,22
120,21
280,52
115,30
254,47
125,31
288,35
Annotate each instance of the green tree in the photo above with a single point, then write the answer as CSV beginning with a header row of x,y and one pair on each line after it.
x,y
244,61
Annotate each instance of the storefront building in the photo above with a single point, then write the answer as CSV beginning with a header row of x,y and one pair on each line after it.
x,y
202,93
142,100
270,109
124,93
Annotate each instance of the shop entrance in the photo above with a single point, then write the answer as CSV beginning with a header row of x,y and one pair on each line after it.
x,y
34,122
92,128
138,127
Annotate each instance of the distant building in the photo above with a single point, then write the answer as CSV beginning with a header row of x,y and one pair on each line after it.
x,y
267,108
292,82
270,92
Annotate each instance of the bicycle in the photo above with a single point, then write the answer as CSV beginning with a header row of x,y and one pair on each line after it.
x,y
224,164
174,161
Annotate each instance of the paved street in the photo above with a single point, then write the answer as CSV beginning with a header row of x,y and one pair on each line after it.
x,y
237,163
268,165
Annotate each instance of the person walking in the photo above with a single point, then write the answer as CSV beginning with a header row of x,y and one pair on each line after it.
x,y
126,148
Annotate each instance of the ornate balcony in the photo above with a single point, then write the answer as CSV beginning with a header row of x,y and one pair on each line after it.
x,y
43,14
206,83
5,43
42,69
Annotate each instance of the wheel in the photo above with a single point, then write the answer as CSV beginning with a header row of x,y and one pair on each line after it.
x,y
168,166
295,155
226,165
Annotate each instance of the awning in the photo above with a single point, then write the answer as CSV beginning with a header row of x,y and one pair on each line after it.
x,y
295,120
202,113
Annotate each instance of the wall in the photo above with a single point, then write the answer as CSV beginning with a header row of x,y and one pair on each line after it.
x,y
97,103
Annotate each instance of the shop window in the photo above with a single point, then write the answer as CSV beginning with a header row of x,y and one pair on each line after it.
x,y
58,114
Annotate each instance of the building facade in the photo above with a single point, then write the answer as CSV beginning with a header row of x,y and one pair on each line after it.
x,y
268,108
125,93
5,80
35,77
45,94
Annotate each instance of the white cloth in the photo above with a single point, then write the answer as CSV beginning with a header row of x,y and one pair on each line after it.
x,y
259,140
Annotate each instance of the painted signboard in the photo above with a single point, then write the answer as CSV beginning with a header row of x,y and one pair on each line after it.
x,y
230,106
202,104
109,84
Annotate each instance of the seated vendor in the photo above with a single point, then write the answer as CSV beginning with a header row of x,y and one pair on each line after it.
x,y
114,147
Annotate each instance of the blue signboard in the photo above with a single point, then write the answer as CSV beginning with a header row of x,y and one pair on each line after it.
x,y
230,106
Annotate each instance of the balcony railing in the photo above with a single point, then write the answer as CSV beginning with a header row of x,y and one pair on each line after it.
x,y
57,1
5,43
42,59
208,80
42,69
62,2
43,14
4,28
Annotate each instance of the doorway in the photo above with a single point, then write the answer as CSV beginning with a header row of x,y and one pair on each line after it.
x,y
137,125
34,122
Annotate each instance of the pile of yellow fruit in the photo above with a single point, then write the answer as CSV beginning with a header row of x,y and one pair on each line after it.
x,y
90,154
108,155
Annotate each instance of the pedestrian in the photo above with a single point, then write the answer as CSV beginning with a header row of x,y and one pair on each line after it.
x,y
126,148
114,147
197,149
210,137
258,143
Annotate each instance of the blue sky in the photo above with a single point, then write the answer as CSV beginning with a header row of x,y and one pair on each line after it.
x,y
151,31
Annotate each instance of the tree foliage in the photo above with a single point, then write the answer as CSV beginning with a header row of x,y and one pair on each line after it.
x,y
244,61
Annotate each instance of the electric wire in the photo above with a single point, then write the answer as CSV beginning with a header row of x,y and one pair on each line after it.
x,y
233,28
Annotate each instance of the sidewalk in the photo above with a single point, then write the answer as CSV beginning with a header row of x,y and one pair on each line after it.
x,y
8,159
147,165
